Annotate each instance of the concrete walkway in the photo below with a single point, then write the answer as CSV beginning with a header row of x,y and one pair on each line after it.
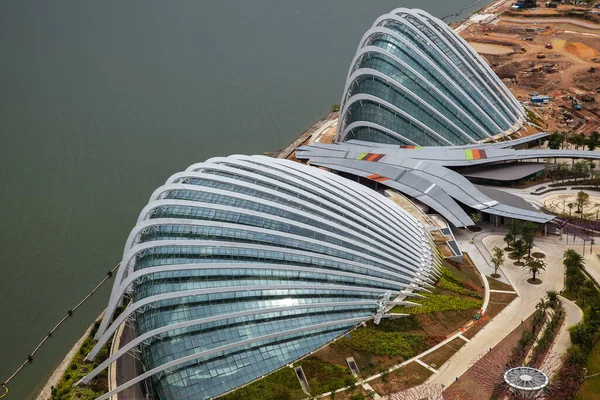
x,y
514,313
562,342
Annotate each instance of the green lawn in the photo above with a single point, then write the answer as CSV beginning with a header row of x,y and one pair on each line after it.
x,y
282,384
590,389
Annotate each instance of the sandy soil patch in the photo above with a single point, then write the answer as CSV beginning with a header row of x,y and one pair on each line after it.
x,y
581,50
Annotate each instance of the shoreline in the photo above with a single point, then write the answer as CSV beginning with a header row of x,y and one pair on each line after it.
x,y
60,370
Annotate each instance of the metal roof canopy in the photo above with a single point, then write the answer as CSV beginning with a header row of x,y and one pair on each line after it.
x,y
503,172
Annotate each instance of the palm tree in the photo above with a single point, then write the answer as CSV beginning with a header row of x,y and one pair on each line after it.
x,y
541,305
571,258
552,296
497,260
535,265
582,200
570,205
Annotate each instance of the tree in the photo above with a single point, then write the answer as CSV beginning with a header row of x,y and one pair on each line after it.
x,y
581,335
581,168
592,141
574,278
570,205
541,305
572,258
552,296
510,238
514,229
476,217
519,249
578,140
497,259
582,200
535,265
538,318
555,141
528,236
586,292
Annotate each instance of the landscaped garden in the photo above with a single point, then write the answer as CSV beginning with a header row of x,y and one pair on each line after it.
x,y
454,301
65,389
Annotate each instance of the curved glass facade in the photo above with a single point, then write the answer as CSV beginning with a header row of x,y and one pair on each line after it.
x,y
241,265
415,81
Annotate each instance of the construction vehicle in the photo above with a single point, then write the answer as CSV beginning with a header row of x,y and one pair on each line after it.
x,y
551,4
575,103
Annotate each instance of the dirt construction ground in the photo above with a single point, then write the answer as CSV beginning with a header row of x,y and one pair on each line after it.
x,y
542,51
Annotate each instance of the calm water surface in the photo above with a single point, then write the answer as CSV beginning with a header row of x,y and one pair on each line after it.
x,y
100,102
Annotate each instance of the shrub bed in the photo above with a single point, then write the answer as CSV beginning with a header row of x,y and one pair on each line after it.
x,y
453,287
325,377
390,344
437,302
65,389
282,384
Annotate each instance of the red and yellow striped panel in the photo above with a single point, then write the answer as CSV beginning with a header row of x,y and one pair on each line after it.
x,y
372,157
378,178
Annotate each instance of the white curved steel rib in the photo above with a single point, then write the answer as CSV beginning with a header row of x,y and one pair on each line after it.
x,y
367,50
388,212
476,64
130,240
382,30
191,267
129,254
372,211
196,292
469,50
372,72
442,54
376,209
482,65
453,48
389,106
404,253
277,194
154,371
195,322
306,182
368,124
457,220
132,254
225,225
333,221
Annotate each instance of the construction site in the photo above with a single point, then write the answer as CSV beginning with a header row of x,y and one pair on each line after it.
x,y
548,56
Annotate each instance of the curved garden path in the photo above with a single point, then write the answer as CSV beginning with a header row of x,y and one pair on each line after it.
x,y
517,311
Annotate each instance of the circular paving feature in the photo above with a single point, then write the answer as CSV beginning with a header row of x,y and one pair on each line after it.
x,y
559,204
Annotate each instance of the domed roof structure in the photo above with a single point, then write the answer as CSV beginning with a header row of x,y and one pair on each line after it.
x,y
414,81
241,265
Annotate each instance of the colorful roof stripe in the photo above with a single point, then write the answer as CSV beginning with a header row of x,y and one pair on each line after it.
x,y
411,147
475,154
378,178
372,157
